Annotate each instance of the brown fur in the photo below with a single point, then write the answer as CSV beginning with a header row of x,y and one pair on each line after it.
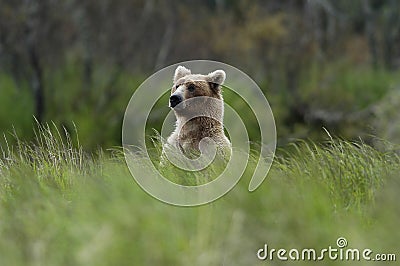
x,y
189,132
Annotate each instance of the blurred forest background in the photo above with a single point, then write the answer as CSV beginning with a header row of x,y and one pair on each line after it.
x,y
321,63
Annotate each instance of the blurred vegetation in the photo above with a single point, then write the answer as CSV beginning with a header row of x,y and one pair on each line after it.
x,y
66,200
62,206
321,63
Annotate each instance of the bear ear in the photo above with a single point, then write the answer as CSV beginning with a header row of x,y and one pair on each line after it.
x,y
180,72
217,77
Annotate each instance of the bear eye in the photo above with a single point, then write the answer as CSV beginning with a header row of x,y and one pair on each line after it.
x,y
191,88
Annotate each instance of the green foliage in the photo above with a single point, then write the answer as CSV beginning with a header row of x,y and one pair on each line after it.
x,y
16,107
338,89
344,87
341,96
386,117
61,206
244,110
97,109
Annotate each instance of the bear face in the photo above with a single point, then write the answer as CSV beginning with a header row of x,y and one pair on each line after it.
x,y
187,86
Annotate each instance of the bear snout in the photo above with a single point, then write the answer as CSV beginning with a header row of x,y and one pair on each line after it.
x,y
174,100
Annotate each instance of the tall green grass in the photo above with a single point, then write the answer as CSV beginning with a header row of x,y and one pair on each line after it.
x,y
352,172
62,206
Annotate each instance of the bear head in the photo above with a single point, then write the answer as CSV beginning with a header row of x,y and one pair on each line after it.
x,y
191,91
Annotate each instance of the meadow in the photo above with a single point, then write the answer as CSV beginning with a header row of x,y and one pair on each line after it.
x,y
60,205
66,194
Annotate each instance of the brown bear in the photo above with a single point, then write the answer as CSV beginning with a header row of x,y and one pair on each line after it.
x,y
199,108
